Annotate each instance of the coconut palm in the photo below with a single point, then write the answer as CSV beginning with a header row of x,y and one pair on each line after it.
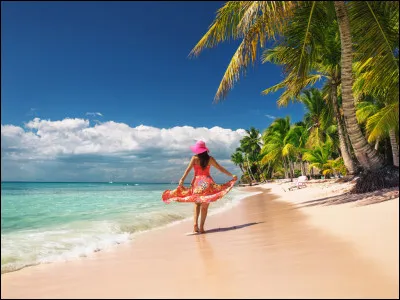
x,y
251,142
377,66
238,160
246,163
366,108
295,143
274,144
366,155
255,22
319,156
325,60
386,121
251,145
319,116
334,167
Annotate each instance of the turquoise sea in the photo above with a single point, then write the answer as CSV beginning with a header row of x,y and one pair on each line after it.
x,y
48,222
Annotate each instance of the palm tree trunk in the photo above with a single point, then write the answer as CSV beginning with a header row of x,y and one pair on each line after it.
x,y
365,154
285,168
347,159
269,170
303,168
292,164
395,147
376,144
290,169
241,168
262,178
249,168
347,140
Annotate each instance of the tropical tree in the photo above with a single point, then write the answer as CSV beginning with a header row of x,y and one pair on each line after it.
x,y
273,149
366,108
238,160
319,117
386,122
319,156
366,155
325,61
250,144
295,143
255,22
246,163
334,167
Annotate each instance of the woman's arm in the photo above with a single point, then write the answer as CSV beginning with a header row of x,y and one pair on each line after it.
x,y
189,167
220,168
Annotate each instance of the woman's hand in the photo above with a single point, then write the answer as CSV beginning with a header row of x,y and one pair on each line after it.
x,y
234,176
181,182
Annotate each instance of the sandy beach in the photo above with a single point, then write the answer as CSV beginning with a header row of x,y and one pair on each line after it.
x,y
308,243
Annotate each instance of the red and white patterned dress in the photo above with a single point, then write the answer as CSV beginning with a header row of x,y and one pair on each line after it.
x,y
203,189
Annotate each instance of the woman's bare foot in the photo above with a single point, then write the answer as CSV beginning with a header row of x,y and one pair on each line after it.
x,y
195,228
202,230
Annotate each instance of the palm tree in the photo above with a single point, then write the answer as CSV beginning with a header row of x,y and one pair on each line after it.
x,y
255,22
295,143
319,156
334,166
325,60
318,117
246,159
274,144
376,47
366,108
366,155
238,160
382,120
251,145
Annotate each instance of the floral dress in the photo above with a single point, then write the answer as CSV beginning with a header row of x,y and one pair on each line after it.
x,y
203,189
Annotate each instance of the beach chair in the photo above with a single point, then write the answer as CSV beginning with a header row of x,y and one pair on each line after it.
x,y
299,183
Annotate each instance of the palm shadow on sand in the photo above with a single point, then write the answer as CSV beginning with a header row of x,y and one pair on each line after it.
x,y
361,199
221,229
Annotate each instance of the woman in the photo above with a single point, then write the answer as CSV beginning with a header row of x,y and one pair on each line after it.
x,y
203,189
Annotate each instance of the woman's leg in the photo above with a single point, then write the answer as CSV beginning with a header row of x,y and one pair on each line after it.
x,y
204,210
196,217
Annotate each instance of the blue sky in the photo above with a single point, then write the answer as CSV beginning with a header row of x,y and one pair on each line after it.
x,y
125,63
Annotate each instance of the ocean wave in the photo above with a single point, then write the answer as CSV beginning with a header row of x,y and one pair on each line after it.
x,y
79,239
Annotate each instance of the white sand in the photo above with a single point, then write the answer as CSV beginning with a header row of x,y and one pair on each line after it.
x,y
277,249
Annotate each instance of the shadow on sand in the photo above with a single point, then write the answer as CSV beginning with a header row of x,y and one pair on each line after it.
x,y
360,199
221,229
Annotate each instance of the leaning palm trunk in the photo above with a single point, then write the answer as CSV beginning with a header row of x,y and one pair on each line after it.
x,y
376,144
395,147
249,168
262,178
365,154
241,168
347,159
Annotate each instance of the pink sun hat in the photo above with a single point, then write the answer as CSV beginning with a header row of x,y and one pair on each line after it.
x,y
199,147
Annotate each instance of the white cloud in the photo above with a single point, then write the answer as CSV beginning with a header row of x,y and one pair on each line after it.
x,y
270,117
94,114
73,149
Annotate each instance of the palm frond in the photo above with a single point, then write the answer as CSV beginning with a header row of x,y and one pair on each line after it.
x,y
224,26
376,39
385,119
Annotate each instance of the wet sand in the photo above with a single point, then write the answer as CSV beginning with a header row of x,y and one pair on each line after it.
x,y
262,248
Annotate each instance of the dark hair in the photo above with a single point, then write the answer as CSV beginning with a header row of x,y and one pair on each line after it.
x,y
204,159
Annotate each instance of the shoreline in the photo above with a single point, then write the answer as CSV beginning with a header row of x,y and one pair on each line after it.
x,y
133,236
261,239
